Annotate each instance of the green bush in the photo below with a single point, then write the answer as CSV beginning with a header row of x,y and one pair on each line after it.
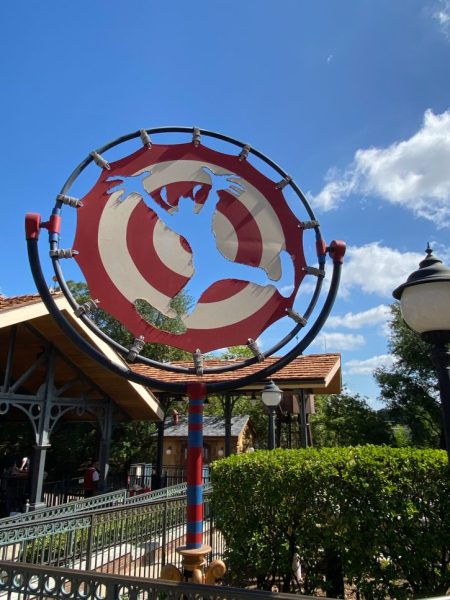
x,y
376,517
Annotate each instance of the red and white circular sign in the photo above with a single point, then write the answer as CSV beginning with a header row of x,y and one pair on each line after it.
x,y
128,250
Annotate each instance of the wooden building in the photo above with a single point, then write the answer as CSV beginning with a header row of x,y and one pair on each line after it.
x,y
176,434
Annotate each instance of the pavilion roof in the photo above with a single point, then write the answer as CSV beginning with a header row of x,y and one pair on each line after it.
x,y
36,326
318,373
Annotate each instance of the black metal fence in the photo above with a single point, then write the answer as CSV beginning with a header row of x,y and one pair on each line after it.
x,y
30,581
143,475
134,540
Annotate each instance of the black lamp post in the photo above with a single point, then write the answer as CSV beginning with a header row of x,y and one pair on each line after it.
x,y
271,397
425,307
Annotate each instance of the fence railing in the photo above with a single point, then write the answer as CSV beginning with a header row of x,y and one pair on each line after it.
x,y
30,581
15,490
117,498
144,475
136,539
95,502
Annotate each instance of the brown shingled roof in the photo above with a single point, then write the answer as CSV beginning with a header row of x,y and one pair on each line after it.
x,y
320,373
16,301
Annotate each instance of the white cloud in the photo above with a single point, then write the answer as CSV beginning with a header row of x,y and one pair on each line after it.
x,y
335,342
372,316
442,16
329,58
367,366
377,269
412,173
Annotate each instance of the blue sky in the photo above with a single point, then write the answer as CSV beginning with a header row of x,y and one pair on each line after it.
x,y
351,98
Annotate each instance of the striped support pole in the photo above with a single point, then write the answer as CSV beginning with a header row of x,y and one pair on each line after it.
x,y
194,533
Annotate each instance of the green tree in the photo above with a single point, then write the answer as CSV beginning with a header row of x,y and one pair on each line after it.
x,y
134,441
241,404
115,330
347,420
408,387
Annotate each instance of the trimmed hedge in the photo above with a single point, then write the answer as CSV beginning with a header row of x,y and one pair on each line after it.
x,y
375,517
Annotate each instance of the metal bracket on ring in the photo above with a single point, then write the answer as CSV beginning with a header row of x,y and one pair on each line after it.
x,y
145,138
196,137
86,307
198,362
244,152
136,348
69,200
253,345
283,183
314,271
63,253
296,317
100,161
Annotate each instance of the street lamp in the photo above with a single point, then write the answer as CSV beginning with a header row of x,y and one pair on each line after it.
x,y
425,307
271,397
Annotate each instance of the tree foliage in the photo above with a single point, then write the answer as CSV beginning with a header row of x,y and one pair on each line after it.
x,y
347,420
115,330
132,441
375,517
408,387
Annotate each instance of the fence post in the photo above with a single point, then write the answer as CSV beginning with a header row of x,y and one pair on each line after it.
x,y
211,522
164,536
90,541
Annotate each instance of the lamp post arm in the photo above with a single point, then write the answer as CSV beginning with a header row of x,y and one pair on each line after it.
x,y
440,355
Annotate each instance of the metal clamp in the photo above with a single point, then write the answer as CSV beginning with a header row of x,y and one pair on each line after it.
x,y
145,138
198,362
69,200
244,152
309,224
314,271
283,183
296,317
60,253
100,161
136,348
253,345
86,307
196,136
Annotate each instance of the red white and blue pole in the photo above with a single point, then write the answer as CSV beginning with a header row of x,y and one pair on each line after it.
x,y
194,532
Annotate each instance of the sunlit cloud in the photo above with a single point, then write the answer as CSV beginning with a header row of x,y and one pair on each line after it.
x,y
336,342
442,16
367,366
387,267
373,316
412,173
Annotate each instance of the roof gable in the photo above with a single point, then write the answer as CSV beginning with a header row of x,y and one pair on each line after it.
x,y
212,426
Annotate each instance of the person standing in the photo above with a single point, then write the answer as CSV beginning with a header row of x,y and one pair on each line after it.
x,y
91,479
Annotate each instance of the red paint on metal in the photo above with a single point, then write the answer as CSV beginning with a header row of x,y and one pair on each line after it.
x,y
321,248
194,466
196,390
250,243
141,225
218,291
181,189
32,226
115,303
195,512
337,251
194,540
